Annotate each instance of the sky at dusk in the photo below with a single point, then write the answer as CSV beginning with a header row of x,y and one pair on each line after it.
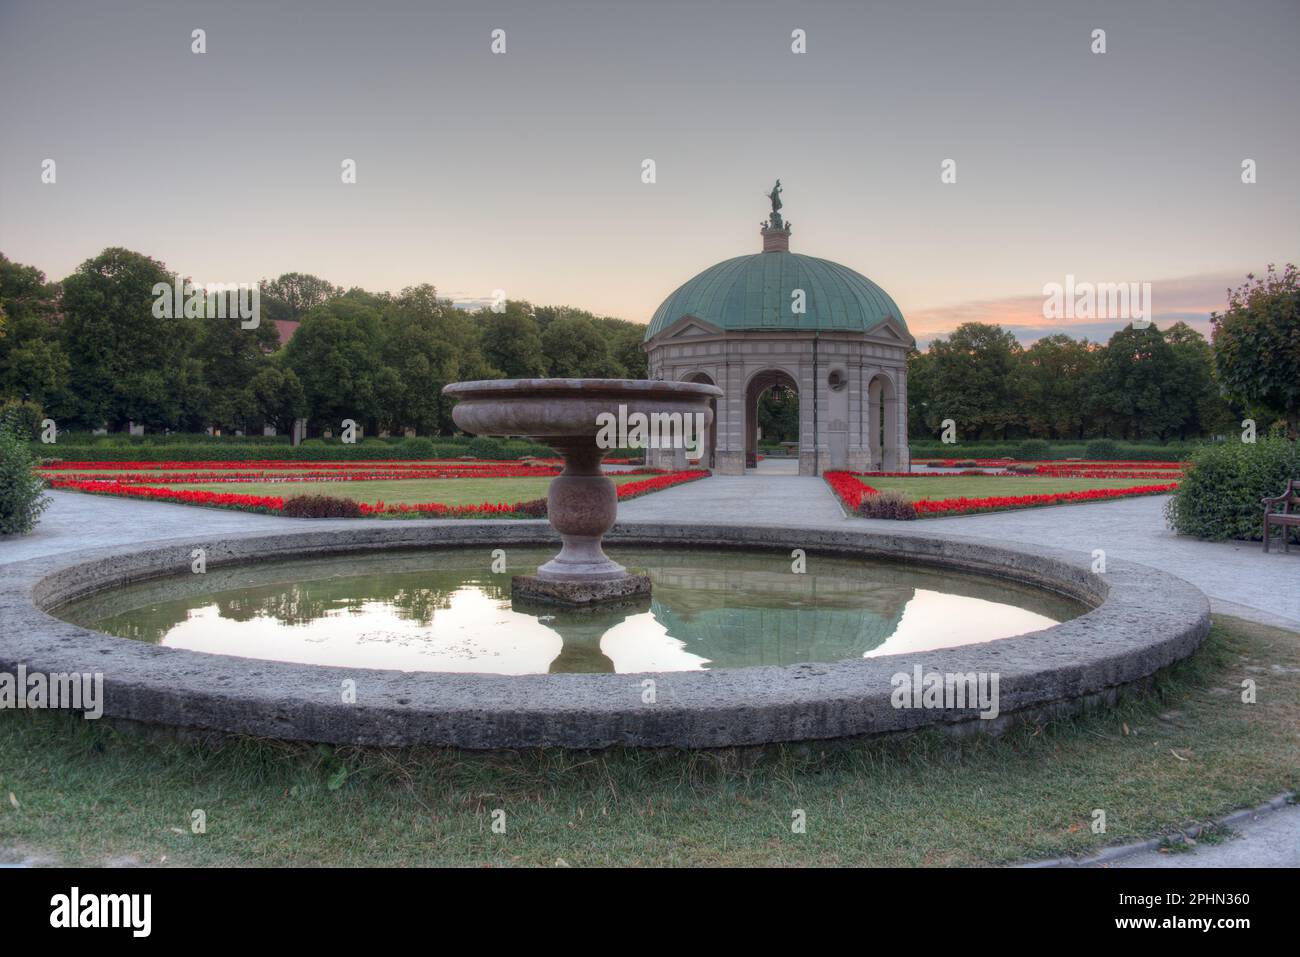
x,y
522,171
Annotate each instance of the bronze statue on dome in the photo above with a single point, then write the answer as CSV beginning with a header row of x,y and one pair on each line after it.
x,y
776,222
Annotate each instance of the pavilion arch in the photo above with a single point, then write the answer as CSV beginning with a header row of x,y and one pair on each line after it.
x,y
710,444
883,440
760,382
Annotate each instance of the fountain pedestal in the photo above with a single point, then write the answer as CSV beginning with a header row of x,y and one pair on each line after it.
x,y
582,504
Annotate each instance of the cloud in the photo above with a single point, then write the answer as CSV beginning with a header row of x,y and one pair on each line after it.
x,y
1188,299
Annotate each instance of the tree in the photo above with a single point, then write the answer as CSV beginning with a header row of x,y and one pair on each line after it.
x,y
625,340
33,364
575,348
511,341
971,380
922,419
336,356
1257,344
1191,391
293,294
125,364
1056,379
1134,383
778,414
230,358
429,343
278,395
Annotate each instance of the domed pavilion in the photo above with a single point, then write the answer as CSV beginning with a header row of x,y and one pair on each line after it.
x,y
782,319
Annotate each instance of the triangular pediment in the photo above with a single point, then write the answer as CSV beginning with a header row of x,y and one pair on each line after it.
x,y
688,327
891,330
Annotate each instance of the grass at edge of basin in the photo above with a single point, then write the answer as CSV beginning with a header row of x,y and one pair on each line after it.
x,y
89,793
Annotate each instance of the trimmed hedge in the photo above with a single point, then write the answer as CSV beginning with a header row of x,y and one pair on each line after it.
x,y
1122,451
311,451
239,449
1219,497
1099,450
1032,450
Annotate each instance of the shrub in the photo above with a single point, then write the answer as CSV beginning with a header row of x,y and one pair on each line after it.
x,y
21,489
966,464
893,505
25,416
486,448
1219,497
1032,450
321,506
1099,450
417,448
1021,468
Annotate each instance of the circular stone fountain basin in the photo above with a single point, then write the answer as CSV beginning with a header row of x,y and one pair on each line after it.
x,y
1140,620
448,610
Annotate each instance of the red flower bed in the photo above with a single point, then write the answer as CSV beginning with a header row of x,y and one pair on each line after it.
x,y
850,490
952,506
1060,464
1106,473
247,503
645,486
274,503
1039,471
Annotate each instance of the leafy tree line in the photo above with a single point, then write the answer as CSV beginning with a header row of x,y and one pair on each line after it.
x,y
1142,384
89,352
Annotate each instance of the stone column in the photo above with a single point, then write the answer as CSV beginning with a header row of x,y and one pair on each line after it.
x,y
807,438
859,452
904,446
730,423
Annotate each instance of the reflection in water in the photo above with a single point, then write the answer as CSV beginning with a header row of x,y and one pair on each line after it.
x,y
446,611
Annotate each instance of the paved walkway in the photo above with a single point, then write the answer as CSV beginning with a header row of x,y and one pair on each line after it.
x,y
76,521
1271,839
753,499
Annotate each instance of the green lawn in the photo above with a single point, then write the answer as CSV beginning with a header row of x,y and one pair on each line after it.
x,y
467,491
86,793
982,486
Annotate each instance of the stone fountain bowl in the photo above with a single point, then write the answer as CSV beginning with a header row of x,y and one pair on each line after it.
x,y
582,503
548,409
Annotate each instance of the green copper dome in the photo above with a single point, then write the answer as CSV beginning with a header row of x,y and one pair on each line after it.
x,y
754,293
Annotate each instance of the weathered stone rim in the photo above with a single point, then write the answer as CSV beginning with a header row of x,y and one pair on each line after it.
x,y
549,389
1143,620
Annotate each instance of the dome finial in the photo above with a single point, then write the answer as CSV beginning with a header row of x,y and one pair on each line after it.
x,y
776,231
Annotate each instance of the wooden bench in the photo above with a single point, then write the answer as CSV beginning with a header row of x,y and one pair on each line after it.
x,y
1289,499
